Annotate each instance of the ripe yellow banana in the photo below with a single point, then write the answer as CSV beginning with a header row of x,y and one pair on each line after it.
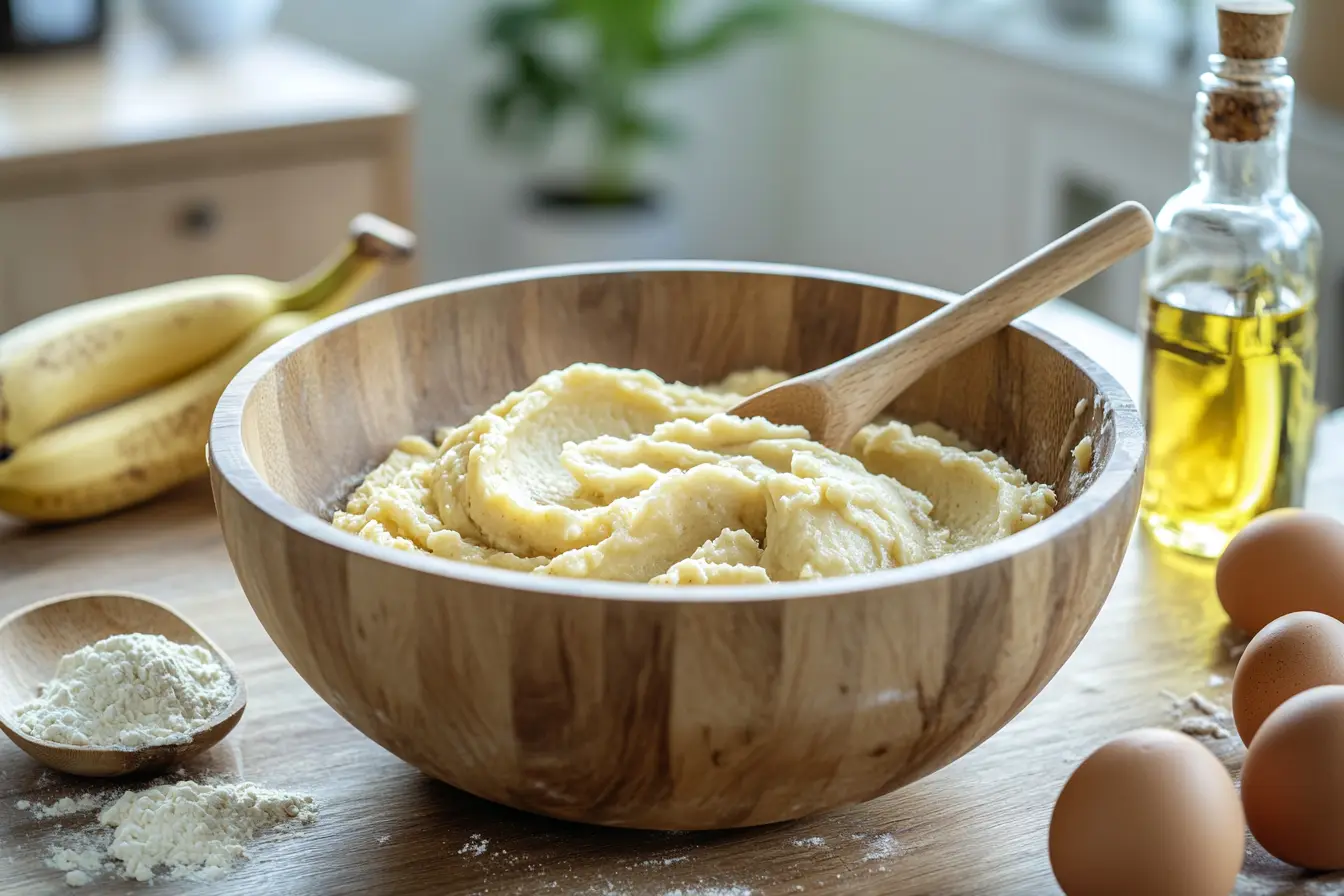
x,y
91,355
130,453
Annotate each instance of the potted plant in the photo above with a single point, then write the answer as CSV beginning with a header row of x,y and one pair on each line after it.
x,y
610,209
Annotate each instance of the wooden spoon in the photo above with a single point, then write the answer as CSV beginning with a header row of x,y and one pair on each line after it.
x,y
32,642
836,401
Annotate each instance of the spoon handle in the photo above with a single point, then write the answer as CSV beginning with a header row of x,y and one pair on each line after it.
x,y
874,377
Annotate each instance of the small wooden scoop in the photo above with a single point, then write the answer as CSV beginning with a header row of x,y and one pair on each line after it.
x,y
32,642
838,400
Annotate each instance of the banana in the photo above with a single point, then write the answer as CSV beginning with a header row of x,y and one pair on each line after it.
x,y
86,356
130,453
91,355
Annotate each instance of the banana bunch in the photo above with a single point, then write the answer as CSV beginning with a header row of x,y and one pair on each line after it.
x,y
108,403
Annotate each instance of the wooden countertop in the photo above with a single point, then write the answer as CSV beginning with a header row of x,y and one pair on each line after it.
x,y
137,90
975,827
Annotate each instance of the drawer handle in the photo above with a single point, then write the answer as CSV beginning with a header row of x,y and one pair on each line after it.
x,y
198,218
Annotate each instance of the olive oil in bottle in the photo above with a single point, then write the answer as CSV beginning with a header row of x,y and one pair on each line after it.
x,y
1229,323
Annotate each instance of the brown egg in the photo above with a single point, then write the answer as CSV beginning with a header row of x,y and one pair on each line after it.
x,y
1289,655
1292,784
1283,561
1151,812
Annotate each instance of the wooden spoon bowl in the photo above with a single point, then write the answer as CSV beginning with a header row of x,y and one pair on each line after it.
x,y
32,642
656,706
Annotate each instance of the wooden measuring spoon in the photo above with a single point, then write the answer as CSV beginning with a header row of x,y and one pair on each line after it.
x,y
836,401
32,642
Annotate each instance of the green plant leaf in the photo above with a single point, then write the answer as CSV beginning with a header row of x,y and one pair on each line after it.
x,y
628,43
514,25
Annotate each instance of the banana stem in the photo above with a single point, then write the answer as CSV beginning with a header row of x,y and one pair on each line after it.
x,y
335,282
331,285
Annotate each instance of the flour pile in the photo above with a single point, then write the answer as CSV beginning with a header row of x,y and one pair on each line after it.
x,y
131,690
190,830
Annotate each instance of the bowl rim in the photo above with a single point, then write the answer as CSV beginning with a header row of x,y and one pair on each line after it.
x,y
228,456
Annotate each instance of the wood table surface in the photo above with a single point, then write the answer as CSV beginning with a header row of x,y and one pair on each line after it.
x,y
977,826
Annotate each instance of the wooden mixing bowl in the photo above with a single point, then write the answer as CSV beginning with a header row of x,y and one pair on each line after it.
x,y
653,706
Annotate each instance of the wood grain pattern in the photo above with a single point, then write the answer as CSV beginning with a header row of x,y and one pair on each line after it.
x,y
835,401
32,642
975,827
637,705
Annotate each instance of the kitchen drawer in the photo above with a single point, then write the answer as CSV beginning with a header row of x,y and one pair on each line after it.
x,y
59,249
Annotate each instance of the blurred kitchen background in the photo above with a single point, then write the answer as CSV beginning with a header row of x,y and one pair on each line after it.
x,y
930,140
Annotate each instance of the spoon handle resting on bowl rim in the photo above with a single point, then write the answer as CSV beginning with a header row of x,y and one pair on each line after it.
x,y
858,387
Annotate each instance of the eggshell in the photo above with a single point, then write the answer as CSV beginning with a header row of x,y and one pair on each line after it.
x,y
1292,783
1151,812
1289,655
1282,561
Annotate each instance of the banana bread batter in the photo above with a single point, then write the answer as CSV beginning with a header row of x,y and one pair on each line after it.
x,y
603,473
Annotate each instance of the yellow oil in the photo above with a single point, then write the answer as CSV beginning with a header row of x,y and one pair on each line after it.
x,y
1229,385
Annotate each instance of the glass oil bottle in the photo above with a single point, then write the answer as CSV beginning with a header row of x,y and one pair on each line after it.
x,y
1229,323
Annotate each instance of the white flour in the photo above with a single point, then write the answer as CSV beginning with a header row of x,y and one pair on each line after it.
x,y
63,806
184,830
128,690
883,846
476,845
79,865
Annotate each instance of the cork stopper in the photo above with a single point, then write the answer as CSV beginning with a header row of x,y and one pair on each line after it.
x,y
1253,29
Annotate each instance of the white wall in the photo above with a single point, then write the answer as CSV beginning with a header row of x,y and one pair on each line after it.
x,y
937,160
730,174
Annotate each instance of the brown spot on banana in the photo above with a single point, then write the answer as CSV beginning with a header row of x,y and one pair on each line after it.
x,y
189,422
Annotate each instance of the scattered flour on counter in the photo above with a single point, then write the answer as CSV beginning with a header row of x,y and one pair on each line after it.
x,y
80,858
1203,726
1194,700
1204,704
1208,720
131,690
810,841
476,845
63,806
675,860
188,830
883,846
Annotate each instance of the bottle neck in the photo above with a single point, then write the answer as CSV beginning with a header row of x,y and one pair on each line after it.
x,y
1243,122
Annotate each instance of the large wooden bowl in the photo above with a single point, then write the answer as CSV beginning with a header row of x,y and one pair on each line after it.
x,y
641,705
